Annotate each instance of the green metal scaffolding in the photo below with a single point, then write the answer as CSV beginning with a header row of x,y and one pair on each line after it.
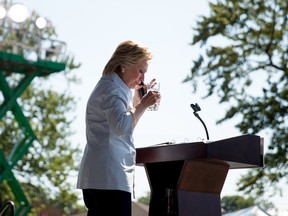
x,y
15,63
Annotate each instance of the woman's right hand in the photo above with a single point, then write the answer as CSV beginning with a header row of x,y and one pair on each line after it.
x,y
151,98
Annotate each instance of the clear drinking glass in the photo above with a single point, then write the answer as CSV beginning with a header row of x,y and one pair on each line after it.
x,y
154,87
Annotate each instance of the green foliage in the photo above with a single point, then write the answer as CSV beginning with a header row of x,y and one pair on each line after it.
x,y
234,203
45,171
145,199
51,160
243,60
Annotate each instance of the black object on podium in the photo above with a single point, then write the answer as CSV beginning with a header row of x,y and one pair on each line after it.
x,y
186,179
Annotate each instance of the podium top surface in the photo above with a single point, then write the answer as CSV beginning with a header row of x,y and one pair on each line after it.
x,y
245,151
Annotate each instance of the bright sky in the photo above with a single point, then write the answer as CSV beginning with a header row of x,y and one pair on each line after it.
x,y
93,29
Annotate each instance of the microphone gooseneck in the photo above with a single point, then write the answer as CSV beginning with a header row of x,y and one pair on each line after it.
x,y
197,108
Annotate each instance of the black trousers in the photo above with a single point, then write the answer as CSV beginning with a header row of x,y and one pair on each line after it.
x,y
107,202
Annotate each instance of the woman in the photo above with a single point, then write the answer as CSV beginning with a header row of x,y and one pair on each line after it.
x,y
106,173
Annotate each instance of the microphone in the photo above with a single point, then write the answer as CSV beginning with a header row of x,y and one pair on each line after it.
x,y
142,90
197,108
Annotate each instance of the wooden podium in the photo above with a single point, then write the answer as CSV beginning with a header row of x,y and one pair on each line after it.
x,y
186,179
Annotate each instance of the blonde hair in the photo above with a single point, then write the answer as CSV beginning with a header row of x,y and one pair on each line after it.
x,y
126,54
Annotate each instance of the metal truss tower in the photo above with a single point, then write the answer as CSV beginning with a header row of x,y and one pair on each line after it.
x,y
45,60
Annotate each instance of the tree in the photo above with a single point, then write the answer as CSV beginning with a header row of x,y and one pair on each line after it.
x,y
247,69
234,203
45,171
145,199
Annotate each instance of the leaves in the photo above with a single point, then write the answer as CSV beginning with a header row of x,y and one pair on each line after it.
x,y
243,60
51,159
45,171
234,203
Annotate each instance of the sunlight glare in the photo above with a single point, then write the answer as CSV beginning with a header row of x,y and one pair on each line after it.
x,y
18,13
2,12
41,22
